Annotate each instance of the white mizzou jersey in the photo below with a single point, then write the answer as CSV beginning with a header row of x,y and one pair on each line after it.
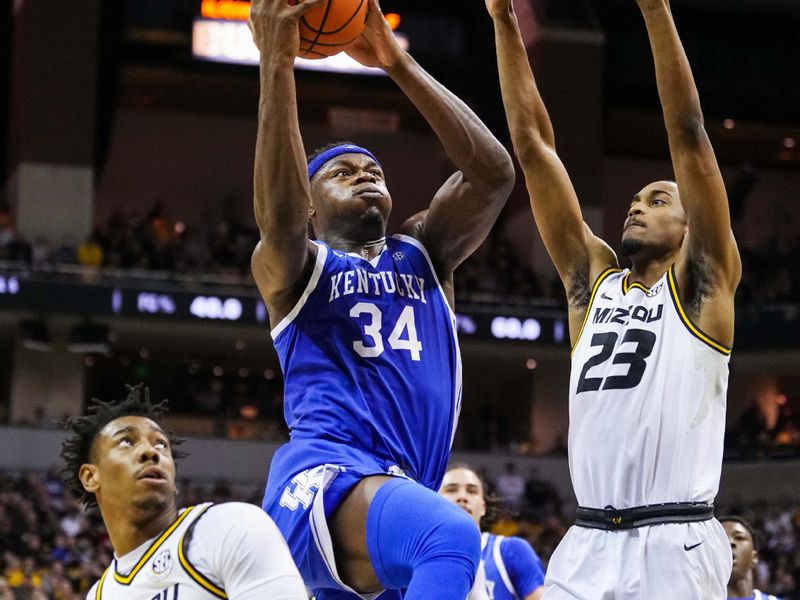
x,y
647,399
162,572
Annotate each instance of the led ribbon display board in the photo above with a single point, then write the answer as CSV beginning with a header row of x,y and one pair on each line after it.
x,y
19,291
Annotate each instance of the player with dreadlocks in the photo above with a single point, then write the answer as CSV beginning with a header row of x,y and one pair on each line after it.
x,y
121,460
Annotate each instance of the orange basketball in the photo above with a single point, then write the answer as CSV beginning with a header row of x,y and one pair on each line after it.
x,y
327,29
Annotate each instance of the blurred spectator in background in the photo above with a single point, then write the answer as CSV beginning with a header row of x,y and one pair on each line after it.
x,y
90,252
5,590
510,487
12,244
541,498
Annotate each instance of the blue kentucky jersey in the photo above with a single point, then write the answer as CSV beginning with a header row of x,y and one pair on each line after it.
x,y
371,361
757,595
513,571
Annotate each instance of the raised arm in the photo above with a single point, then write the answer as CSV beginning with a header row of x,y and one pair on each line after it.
x,y
578,255
467,205
711,258
281,193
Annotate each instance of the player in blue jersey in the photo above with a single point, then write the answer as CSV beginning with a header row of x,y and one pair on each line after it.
x,y
512,568
364,329
744,545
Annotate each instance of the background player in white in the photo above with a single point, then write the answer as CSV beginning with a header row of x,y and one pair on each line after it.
x,y
744,547
364,328
510,566
120,460
650,345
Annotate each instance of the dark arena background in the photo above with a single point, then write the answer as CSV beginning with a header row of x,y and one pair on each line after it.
x,y
127,130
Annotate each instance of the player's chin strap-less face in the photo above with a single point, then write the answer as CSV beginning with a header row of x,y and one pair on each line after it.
x,y
323,157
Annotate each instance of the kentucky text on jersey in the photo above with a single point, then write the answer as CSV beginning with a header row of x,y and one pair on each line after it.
x,y
371,363
361,281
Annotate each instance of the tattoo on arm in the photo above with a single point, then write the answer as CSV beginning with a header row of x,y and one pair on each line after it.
x,y
579,291
701,284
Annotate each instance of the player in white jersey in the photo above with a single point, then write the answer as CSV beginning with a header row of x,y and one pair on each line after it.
x,y
744,546
650,344
122,461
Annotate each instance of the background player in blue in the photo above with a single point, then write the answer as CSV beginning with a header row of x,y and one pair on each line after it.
x,y
364,329
513,571
744,546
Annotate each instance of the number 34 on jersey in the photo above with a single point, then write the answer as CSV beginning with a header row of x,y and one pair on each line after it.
x,y
403,336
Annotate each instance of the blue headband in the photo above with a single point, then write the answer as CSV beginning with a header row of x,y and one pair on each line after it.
x,y
323,157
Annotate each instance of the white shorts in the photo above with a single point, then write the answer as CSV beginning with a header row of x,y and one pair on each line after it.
x,y
689,561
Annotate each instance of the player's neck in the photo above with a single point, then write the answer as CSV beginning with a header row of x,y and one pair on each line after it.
x,y
128,533
741,588
367,250
649,271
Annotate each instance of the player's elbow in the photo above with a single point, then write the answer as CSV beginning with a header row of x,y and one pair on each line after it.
x,y
690,133
499,175
531,148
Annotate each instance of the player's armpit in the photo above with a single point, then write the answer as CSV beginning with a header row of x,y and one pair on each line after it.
x,y
536,594
281,281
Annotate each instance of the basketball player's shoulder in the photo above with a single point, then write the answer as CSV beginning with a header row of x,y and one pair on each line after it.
x,y
90,595
518,550
237,517
231,529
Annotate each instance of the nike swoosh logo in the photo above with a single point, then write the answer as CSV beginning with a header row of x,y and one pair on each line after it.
x,y
687,548
606,296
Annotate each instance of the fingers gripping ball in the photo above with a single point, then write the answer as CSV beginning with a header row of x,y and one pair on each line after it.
x,y
327,29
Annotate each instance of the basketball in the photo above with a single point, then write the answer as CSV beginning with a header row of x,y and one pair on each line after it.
x,y
327,29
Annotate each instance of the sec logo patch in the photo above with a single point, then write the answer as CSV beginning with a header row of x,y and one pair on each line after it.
x,y
162,565
655,290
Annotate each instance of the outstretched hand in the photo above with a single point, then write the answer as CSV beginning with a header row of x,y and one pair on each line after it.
x,y
275,25
499,8
376,46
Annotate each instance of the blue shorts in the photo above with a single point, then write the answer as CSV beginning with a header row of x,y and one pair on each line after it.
x,y
308,480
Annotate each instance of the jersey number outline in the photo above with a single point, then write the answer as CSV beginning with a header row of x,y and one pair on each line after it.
x,y
162,595
372,330
645,341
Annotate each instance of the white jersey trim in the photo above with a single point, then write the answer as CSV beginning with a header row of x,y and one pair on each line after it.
x,y
322,535
687,321
322,255
459,372
600,279
417,244
501,566
484,540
